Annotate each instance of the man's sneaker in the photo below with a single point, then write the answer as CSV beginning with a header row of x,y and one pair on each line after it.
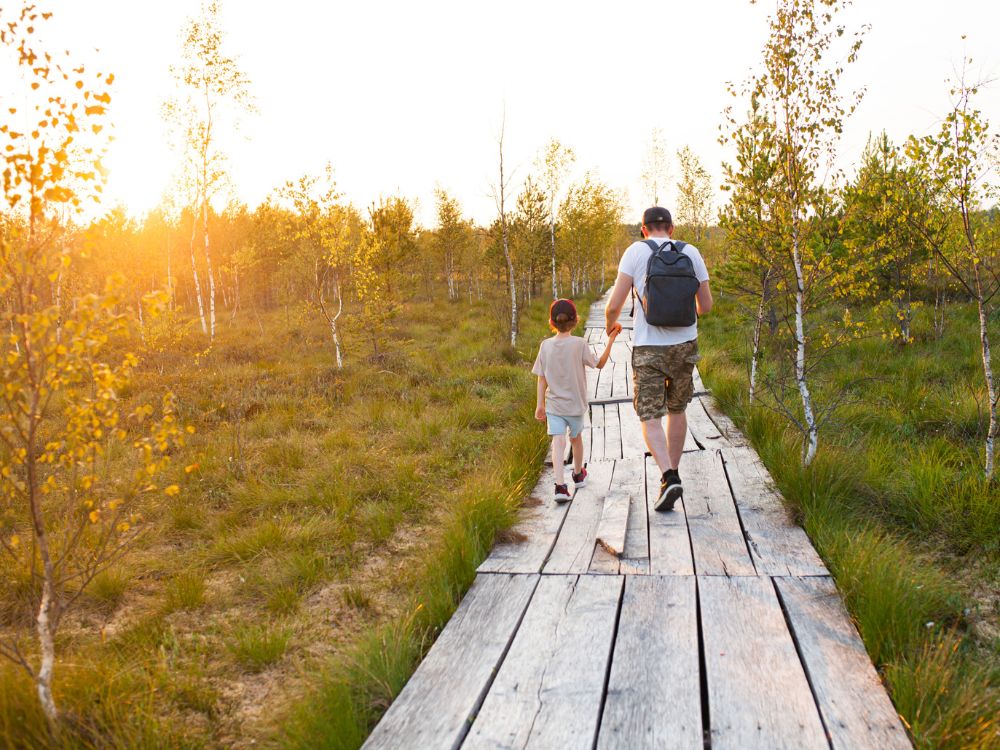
x,y
670,490
579,480
562,494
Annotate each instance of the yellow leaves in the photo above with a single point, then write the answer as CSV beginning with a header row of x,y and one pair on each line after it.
x,y
189,430
14,542
122,527
191,467
172,491
115,504
94,516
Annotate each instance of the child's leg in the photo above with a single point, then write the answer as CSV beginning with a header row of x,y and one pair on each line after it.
x,y
577,444
558,457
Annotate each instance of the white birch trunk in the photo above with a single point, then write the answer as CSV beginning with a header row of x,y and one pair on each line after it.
x,y
812,433
755,354
991,393
552,236
211,275
197,282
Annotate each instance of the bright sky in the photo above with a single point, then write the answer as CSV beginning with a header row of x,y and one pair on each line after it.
x,y
402,96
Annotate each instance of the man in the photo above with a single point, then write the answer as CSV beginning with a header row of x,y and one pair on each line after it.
x,y
663,358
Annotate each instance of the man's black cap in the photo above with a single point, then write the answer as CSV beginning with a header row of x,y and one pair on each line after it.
x,y
656,215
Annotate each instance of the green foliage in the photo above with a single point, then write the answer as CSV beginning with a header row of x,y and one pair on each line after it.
x,y
257,647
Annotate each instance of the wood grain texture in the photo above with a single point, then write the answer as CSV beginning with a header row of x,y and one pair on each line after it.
x,y
758,695
630,476
614,521
605,381
653,698
574,549
669,543
612,431
633,443
548,691
619,380
532,537
595,449
434,708
716,537
778,545
855,708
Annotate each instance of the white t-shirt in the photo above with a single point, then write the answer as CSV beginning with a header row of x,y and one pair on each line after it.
x,y
633,263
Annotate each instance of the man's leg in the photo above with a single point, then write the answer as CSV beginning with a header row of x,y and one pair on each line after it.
x,y
656,441
677,425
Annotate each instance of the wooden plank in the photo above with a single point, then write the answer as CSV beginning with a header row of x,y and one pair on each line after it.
x,y
778,545
612,432
758,694
704,430
716,536
654,699
669,543
614,521
604,382
573,550
526,546
633,443
435,706
630,476
548,691
597,432
855,708
619,380
593,375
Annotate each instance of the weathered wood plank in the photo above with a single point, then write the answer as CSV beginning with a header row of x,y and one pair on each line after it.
x,y
855,708
528,544
716,536
614,521
653,698
669,543
630,476
435,706
593,376
633,443
704,430
758,694
612,431
778,545
619,380
605,382
596,432
574,549
548,691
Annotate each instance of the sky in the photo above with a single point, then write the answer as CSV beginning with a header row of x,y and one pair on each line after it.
x,y
403,97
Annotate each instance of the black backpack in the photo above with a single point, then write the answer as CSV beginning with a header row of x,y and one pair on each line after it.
x,y
671,286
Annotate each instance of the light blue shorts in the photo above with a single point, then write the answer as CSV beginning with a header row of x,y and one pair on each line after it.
x,y
558,424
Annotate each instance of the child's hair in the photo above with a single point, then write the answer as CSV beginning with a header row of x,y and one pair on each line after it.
x,y
562,315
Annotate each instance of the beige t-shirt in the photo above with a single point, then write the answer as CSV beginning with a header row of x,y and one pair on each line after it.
x,y
561,362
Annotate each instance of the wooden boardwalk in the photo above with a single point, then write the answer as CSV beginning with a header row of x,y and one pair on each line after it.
x,y
716,626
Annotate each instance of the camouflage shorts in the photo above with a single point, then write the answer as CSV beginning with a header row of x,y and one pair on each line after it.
x,y
663,378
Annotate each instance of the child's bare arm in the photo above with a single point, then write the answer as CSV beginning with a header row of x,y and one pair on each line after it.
x,y
540,399
616,329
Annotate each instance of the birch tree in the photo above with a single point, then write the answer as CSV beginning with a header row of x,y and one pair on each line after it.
x,y
554,165
63,516
212,87
694,195
798,91
656,170
749,220
959,158
500,198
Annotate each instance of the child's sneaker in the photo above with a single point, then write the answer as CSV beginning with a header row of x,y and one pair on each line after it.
x,y
562,494
670,490
579,480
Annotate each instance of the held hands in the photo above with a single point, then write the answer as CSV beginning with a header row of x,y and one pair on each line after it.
x,y
614,330
540,413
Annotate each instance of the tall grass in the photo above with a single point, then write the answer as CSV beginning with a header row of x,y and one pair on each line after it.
x,y
896,504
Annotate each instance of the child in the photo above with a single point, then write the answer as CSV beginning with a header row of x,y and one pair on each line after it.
x,y
562,389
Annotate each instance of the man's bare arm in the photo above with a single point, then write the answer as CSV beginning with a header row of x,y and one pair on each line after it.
x,y
623,285
703,299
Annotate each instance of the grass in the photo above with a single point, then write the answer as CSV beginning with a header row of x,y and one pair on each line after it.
x,y
896,504
328,513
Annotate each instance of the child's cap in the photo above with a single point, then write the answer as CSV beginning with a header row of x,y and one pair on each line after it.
x,y
562,307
